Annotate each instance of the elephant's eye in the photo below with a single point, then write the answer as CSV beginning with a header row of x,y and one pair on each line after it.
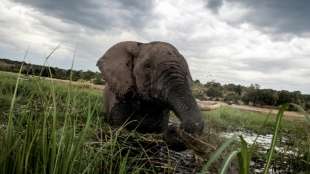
x,y
147,66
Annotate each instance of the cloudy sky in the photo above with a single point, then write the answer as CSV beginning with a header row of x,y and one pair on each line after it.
x,y
229,41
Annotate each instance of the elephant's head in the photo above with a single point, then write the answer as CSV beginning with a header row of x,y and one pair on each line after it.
x,y
155,71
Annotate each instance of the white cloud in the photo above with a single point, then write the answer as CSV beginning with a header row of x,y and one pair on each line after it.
x,y
217,46
232,12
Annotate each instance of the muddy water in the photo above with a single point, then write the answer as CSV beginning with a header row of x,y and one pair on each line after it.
x,y
263,142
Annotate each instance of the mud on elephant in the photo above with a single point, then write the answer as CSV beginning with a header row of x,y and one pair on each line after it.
x,y
145,81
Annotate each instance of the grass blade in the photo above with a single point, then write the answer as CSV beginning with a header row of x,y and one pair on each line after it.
x,y
244,157
301,110
274,137
228,161
217,154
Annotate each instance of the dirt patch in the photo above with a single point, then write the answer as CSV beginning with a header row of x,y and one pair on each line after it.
x,y
287,114
208,105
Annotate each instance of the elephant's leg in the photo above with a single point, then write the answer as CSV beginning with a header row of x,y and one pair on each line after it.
x,y
119,114
154,121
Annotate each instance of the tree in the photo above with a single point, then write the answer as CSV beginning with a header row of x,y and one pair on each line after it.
x,y
88,75
197,82
250,94
267,97
307,102
76,75
234,97
234,88
214,92
284,97
297,98
213,84
98,80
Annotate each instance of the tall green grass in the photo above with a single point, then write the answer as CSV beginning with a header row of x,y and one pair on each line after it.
x,y
56,128
49,139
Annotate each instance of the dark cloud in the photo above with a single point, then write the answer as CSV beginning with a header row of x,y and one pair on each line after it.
x,y
102,15
214,5
277,16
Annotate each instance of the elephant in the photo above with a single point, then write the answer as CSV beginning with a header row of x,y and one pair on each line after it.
x,y
144,82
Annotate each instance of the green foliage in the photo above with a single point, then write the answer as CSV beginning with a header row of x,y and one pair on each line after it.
x,y
291,97
214,92
237,89
98,80
267,97
232,97
214,89
250,94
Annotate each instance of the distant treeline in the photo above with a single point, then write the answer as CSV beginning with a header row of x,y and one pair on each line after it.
x,y
58,73
251,95
229,93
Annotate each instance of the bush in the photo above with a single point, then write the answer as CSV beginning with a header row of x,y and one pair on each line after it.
x,y
231,97
214,92
98,80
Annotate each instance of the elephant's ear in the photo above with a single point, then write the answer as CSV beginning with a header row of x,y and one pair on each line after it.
x,y
116,66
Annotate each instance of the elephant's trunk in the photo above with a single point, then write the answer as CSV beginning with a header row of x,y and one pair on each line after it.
x,y
174,87
185,107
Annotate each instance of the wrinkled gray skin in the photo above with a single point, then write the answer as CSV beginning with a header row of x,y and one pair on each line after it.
x,y
144,82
